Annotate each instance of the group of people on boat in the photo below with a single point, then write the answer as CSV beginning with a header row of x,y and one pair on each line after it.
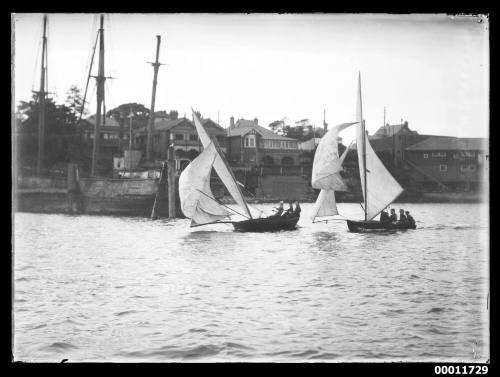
x,y
404,217
289,213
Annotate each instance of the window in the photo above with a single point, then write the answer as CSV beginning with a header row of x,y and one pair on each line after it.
x,y
438,154
193,137
186,136
468,154
178,137
443,167
426,155
249,141
467,167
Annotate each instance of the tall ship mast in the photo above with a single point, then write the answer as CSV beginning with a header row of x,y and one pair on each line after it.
x,y
100,78
41,101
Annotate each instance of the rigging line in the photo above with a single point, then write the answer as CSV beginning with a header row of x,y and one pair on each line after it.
x,y
215,200
88,79
36,63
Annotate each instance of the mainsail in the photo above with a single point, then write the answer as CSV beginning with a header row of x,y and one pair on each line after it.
x,y
380,185
327,166
222,169
197,200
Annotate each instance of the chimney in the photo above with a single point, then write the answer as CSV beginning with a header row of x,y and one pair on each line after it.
x,y
231,122
256,121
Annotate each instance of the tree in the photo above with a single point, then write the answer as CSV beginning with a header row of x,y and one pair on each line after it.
x,y
74,101
122,112
63,143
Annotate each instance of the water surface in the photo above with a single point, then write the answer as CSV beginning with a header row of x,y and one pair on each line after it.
x,y
95,288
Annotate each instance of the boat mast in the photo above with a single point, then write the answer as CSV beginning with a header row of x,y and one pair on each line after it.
x,y
156,66
100,96
41,102
363,133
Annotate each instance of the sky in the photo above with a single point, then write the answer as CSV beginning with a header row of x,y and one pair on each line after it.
x,y
429,70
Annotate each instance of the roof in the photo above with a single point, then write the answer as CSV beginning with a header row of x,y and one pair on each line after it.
x,y
387,143
165,124
243,126
450,143
390,130
210,124
110,122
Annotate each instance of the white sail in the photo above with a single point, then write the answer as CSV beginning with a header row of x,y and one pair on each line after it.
x,y
195,193
327,164
325,205
222,169
381,186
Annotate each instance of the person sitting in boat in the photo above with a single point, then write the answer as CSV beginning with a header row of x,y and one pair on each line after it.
x,y
402,217
411,220
384,216
279,210
289,211
393,218
296,213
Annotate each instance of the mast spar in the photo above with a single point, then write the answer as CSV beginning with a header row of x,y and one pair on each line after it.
x,y
100,78
156,66
41,101
363,142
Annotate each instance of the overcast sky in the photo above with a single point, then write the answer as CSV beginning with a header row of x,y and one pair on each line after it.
x,y
431,70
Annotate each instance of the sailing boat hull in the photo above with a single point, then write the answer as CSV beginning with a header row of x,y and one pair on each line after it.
x,y
268,224
367,226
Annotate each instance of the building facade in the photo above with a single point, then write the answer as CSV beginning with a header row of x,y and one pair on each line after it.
x,y
182,135
252,145
452,162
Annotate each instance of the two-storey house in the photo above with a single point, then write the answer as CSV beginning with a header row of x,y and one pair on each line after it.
x,y
252,145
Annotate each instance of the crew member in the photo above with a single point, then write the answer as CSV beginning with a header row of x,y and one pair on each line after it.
x,y
289,211
279,210
402,217
296,213
393,217
410,219
384,216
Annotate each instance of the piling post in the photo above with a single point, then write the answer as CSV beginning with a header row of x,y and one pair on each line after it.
x,y
171,183
161,189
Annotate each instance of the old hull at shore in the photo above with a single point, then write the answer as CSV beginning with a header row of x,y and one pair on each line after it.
x,y
93,196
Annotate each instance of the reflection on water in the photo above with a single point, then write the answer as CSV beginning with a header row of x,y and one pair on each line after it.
x,y
128,289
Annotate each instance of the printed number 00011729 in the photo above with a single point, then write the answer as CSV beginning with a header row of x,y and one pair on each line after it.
x,y
461,369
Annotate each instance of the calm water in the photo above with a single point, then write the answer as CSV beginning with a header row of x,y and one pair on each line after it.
x,y
92,288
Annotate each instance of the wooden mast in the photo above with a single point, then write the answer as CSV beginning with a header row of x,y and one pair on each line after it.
x,y
41,102
363,133
100,96
156,66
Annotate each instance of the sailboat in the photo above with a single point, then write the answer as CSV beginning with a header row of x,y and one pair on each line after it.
x,y
379,187
198,202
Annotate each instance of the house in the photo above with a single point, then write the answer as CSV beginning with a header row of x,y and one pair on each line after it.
x,y
113,137
457,163
181,132
252,145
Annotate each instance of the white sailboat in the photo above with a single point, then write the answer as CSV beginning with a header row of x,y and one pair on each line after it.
x,y
378,185
198,202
